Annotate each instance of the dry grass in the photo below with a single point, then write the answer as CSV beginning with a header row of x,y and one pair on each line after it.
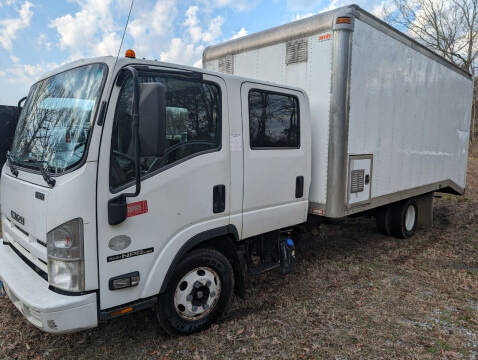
x,y
356,294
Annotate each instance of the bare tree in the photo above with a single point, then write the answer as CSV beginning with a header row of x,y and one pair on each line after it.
x,y
448,27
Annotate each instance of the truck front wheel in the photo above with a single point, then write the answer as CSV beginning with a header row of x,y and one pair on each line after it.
x,y
198,293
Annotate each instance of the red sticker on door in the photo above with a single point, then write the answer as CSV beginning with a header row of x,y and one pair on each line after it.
x,y
137,208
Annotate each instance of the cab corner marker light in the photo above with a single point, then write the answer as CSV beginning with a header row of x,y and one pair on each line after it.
x,y
343,20
130,54
121,312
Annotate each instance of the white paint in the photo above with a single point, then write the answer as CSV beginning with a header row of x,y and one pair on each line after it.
x,y
236,142
409,111
178,198
30,294
314,77
270,175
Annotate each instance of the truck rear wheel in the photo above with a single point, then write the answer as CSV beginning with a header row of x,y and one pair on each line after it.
x,y
382,218
404,217
198,293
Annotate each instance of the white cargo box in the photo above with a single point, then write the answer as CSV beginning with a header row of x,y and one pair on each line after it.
x,y
390,118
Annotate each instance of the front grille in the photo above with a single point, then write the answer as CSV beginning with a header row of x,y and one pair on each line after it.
x,y
41,243
22,231
25,244
35,268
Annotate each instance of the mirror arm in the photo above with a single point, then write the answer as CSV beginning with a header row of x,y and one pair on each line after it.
x,y
19,105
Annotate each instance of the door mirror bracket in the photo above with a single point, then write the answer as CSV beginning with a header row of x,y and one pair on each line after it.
x,y
19,106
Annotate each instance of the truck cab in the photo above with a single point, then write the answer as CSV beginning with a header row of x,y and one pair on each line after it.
x,y
135,184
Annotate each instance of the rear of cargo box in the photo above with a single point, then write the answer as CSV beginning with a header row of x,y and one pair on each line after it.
x,y
389,118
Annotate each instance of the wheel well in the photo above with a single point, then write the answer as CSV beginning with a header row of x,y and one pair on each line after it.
x,y
223,240
226,245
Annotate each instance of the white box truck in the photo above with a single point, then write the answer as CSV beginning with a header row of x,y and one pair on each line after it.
x,y
379,102
135,184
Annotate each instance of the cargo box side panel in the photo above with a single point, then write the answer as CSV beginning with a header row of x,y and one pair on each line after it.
x,y
212,65
312,75
409,111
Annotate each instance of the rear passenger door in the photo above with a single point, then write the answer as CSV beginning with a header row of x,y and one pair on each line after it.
x,y
275,159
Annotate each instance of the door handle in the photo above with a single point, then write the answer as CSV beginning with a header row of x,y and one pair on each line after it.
x,y
219,199
299,187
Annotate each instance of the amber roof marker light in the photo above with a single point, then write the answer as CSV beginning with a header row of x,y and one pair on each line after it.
x,y
343,20
130,54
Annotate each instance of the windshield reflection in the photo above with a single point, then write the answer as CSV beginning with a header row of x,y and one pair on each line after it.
x,y
55,122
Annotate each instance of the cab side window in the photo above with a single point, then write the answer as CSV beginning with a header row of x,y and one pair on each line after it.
x,y
193,126
122,166
274,121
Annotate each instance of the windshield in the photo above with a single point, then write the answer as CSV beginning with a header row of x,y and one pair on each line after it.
x,y
55,123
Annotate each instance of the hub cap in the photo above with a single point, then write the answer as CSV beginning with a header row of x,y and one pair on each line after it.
x,y
197,293
410,218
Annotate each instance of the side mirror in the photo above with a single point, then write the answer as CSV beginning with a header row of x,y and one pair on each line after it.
x,y
152,119
117,210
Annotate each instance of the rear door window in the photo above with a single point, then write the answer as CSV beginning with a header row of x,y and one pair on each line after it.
x,y
274,121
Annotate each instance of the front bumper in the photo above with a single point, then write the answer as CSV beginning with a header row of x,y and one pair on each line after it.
x,y
45,309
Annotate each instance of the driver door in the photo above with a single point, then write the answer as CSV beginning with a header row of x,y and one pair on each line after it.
x,y
176,189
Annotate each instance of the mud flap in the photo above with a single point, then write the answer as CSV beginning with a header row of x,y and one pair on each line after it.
x,y
287,254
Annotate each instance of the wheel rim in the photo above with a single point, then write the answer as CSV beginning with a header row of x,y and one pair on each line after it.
x,y
197,293
410,218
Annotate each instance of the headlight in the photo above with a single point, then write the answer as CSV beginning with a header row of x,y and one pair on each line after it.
x,y
66,268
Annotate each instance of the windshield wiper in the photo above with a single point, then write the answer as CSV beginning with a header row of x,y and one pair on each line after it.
x,y
12,167
41,166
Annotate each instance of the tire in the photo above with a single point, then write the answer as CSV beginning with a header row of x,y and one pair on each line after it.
x,y
197,294
404,217
382,219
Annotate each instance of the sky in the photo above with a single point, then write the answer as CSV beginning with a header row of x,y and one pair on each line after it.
x,y
38,35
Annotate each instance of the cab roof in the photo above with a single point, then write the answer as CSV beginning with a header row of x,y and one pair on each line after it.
x,y
121,62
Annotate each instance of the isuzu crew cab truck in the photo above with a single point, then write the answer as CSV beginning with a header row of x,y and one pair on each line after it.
x,y
135,184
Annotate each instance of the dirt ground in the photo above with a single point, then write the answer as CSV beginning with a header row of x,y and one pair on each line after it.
x,y
355,294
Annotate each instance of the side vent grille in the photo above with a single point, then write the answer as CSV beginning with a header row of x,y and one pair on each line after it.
x,y
358,180
296,51
226,64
